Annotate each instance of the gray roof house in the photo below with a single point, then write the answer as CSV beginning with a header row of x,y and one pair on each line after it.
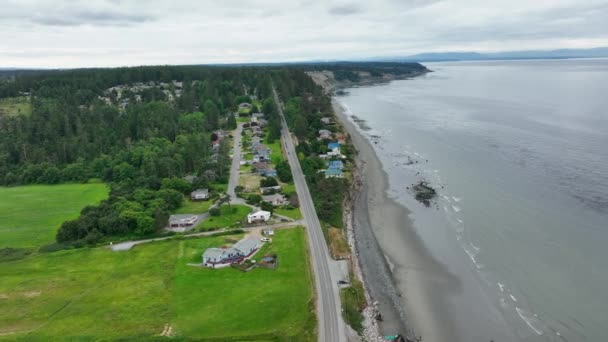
x,y
275,199
224,256
200,194
182,222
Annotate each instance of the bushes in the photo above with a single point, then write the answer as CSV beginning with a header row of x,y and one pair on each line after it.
x,y
284,172
267,206
215,211
254,199
268,182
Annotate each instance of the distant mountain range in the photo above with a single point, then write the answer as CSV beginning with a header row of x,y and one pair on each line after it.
x,y
476,56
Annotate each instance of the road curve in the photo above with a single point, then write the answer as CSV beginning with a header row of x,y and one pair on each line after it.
x,y
331,327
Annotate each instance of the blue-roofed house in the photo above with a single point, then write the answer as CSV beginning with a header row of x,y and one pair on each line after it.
x,y
333,145
335,164
333,173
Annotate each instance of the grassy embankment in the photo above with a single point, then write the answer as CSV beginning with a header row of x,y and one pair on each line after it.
x,y
92,294
15,106
30,215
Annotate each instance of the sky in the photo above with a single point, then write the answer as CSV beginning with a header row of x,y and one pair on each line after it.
x,y
73,33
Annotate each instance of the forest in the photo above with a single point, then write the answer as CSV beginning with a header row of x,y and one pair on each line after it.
x,y
145,140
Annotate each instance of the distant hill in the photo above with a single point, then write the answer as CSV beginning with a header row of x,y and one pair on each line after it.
x,y
531,54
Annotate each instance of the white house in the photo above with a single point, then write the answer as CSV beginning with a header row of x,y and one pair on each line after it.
x,y
324,134
259,216
182,221
200,195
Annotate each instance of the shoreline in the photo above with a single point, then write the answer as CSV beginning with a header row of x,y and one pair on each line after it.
x,y
404,281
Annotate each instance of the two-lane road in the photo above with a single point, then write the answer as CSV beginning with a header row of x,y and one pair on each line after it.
x,y
331,327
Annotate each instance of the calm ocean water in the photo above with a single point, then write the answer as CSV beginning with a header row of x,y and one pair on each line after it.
x,y
519,153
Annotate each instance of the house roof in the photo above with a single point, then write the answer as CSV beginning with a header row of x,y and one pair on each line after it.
x,y
333,172
261,212
178,217
260,165
200,192
335,164
214,253
247,244
271,198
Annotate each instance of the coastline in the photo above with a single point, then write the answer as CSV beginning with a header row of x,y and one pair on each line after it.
x,y
407,286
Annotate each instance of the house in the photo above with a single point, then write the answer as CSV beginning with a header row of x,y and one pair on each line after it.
x,y
270,189
258,216
262,122
333,145
261,149
275,199
324,134
200,195
324,156
326,120
260,166
182,221
268,232
333,173
244,105
340,138
243,249
257,116
335,164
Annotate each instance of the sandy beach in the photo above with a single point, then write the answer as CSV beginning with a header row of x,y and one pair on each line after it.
x,y
410,287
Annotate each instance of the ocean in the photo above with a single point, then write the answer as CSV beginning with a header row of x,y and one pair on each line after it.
x,y
518,152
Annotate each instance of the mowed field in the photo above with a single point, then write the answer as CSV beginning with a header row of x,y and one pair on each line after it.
x,y
97,294
30,215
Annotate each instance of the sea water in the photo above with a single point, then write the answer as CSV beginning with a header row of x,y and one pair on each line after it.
x,y
518,152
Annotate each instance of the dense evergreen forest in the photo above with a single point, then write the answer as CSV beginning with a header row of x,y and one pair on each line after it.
x,y
141,130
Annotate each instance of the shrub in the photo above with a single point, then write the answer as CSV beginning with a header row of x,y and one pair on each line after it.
x,y
215,211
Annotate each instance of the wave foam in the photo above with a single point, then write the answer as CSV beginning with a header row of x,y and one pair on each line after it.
x,y
529,321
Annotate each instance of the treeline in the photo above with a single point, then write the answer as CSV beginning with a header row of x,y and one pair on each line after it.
x,y
142,152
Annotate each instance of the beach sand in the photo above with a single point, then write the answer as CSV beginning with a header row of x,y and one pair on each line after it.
x,y
410,286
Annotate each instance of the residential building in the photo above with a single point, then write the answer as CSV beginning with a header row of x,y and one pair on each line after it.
x,y
326,120
275,199
333,173
182,220
335,164
324,134
258,216
241,250
200,195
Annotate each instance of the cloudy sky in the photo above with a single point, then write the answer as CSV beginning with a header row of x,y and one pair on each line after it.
x,y
72,33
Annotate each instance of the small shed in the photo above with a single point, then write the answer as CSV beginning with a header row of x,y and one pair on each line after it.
x,y
259,216
200,195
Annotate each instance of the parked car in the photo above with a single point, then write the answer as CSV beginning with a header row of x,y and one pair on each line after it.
x,y
342,282
265,239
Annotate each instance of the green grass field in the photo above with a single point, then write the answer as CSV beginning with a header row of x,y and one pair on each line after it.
x,y
227,218
15,106
295,213
194,207
30,215
97,294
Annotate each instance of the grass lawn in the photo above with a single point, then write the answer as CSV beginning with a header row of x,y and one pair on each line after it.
x,y
228,218
15,106
243,119
97,294
258,305
276,154
30,215
288,188
295,213
194,207
219,187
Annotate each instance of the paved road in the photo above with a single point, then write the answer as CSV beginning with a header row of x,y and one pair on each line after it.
x,y
126,245
233,182
331,327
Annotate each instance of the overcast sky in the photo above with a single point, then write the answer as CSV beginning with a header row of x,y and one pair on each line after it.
x,y
72,33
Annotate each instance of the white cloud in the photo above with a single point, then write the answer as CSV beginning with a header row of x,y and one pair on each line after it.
x,y
71,33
